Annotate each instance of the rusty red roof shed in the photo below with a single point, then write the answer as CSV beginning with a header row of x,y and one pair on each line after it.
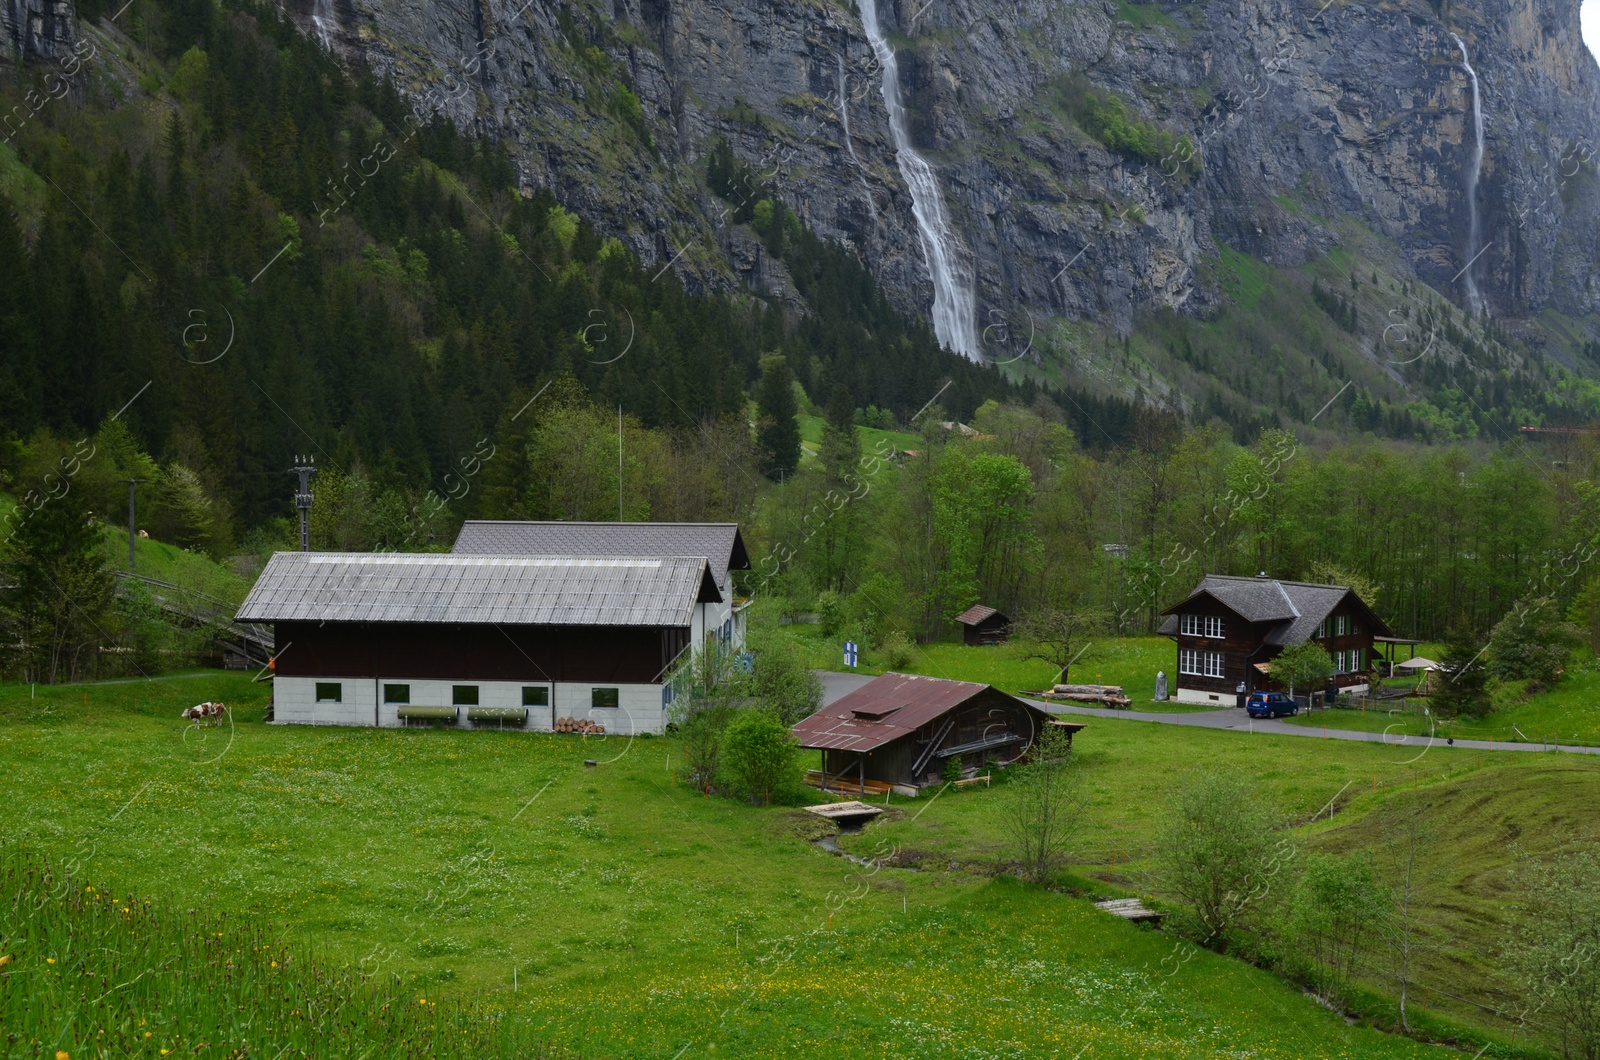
x,y
976,614
888,708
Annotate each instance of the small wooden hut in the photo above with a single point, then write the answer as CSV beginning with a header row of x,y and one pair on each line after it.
x,y
983,625
901,731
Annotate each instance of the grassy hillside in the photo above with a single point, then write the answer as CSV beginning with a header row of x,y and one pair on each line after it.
x,y
611,909
1131,662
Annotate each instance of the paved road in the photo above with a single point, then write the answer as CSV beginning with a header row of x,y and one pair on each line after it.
x,y
835,685
1236,719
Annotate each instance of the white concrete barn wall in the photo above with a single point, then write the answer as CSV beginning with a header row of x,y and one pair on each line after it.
x,y
294,702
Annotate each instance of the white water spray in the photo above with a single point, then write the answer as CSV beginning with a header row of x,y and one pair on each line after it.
x,y
952,283
326,22
1474,235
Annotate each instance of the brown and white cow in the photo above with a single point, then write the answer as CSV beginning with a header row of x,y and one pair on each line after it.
x,y
205,713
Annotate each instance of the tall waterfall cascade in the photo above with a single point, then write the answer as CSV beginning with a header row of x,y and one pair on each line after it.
x,y
953,313
1474,233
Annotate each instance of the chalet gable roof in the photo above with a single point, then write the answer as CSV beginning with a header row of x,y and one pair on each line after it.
x,y
514,590
720,543
1295,608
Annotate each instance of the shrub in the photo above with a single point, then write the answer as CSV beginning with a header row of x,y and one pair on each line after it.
x,y
1554,950
782,682
1215,850
953,769
1531,642
896,651
1044,805
1335,910
760,757
701,730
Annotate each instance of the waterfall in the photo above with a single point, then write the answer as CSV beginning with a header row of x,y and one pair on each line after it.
x,y
326,22
850,146
952,287
1474,235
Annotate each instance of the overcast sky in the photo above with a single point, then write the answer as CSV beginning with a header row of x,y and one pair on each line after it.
x,y
1591,25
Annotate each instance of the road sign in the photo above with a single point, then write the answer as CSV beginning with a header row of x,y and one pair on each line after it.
x,y
851,653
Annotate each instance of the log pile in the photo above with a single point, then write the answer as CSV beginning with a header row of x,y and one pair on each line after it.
x,y
1108,695
574,725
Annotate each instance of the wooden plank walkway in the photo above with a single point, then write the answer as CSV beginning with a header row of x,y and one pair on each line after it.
x,y
1131,909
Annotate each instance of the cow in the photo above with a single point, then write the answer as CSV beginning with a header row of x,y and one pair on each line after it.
x,y
207,713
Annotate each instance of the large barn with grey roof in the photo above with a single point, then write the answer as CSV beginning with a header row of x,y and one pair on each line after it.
x,y
720,544
1229,629
388,638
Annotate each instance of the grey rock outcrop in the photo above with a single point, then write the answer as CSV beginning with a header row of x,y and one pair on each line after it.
x,y
1305,122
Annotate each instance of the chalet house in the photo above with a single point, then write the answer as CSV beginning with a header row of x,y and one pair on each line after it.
x,y
901,730
982,625
1229,628
719,544
387,638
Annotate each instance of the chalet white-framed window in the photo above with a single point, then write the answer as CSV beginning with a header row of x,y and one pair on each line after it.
x,y
1200,663
1189,661
1338,662
1322,630
1200,625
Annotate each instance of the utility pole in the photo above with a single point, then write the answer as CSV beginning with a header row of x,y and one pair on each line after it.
x,y
132,531
305,467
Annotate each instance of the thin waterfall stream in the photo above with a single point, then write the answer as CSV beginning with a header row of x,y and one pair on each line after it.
x,y
953,313
1474,232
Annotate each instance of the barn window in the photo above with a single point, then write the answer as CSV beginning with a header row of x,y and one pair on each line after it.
x,y
330,692
605,697
464,695
397,693
535,696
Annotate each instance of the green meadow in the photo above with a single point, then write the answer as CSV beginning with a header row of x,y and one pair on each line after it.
x,y
606,910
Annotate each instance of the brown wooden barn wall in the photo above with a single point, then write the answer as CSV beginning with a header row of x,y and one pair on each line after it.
x,y
620,654
990,711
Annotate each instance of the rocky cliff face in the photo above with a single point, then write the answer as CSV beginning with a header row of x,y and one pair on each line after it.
x,y
35,30
1309,127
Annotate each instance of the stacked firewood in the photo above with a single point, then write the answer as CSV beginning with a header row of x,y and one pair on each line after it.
x,y
1110,695
574,725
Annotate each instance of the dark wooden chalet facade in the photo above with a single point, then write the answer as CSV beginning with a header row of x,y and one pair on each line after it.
x,y
981,625
902,729
1229,628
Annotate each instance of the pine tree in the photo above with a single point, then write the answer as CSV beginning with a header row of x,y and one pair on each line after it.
x,y
841,445
56,599
777,422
